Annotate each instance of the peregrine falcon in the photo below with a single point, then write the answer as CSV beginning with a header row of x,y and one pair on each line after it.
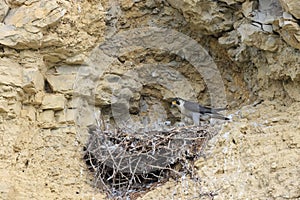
x,y
196,112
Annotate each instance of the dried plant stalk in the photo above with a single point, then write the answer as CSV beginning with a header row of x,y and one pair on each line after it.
x,y
125,163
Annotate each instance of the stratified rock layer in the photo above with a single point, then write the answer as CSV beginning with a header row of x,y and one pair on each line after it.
x,y
45,104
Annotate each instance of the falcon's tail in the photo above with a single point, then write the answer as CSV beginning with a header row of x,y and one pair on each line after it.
x,y
211,110
219,109
219,116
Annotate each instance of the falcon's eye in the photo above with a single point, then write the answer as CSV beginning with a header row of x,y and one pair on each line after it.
x,y
177,102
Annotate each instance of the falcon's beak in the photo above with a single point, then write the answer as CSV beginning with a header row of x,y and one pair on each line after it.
x,y
173,103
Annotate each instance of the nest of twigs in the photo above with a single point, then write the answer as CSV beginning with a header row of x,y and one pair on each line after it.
x,y
129,163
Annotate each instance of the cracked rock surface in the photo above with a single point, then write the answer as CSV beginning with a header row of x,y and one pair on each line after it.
x,y
63,61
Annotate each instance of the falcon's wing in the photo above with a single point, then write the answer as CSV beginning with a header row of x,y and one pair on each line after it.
x,y
192,106
195,107
211,110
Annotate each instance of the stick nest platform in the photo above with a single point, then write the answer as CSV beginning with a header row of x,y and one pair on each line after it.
x,y
126,164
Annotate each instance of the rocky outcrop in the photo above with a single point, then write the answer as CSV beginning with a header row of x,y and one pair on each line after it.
x,y
258,27
291,7
22,26
53,82
265,170
3,10
36,110
207,17
242,161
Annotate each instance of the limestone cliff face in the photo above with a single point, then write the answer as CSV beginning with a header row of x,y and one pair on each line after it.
x,y
62,61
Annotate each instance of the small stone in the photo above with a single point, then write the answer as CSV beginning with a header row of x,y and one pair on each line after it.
x,y
29,112
3,106
126,4
291,6
76,60
286,15
33,80
61,83
53,101
292,89
40,14
10,72
38,98
274,165
150,4
47,116
3,10
15,108
156,11
65,116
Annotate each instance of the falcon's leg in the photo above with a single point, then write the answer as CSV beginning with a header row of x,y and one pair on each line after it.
x,y
196,118
205,117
